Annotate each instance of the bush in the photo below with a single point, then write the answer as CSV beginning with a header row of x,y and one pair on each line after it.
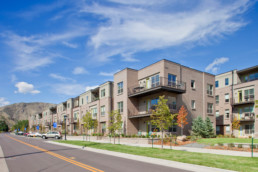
x,y
123,135
188,137
75,133
240,146
231,145
202,128
220,144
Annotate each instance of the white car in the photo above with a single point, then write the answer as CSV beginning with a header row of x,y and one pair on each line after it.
x,y
34,134
52,134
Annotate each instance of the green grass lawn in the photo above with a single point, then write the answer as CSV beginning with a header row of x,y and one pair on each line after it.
x,y
210,160
225,140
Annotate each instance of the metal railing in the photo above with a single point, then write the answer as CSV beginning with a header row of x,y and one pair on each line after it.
x,y
245,99
162,82
246,116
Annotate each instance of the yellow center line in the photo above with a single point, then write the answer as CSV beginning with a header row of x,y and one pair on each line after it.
x,y
90,168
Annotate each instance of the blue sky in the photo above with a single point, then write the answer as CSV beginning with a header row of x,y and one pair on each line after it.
x,y
53,50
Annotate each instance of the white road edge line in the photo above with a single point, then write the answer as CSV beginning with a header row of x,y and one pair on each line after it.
x,y
3,165
156,161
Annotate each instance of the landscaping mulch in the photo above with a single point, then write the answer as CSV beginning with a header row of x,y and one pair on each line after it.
x,y
232,148
179,143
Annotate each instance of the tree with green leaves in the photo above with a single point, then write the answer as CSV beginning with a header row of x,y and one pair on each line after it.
x,y
115,123
89,122
161,116
209,131
202,128
3,126
21,124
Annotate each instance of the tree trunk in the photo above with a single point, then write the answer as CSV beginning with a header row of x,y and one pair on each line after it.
x,y
114,138
162,139
182,127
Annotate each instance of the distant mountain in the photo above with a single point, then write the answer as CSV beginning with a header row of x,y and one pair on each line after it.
x,y
21,111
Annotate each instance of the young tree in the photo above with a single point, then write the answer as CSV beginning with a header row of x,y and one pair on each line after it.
x,y
161,116
115,122
198,126
181,118
209,131
235,124
89,123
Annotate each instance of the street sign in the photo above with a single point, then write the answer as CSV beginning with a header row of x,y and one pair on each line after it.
x,y
18,129
25,129
55,125
37,127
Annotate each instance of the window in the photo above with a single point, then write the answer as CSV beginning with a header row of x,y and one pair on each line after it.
x,y
227,129
82,101
94,112
171,80
210,108
249,94
172,128
227,113
217,129
103,127
68,105
227,98
226,81
216,84
87,99
120,107
193,104
217,113
193,84
103,93
102,110
75,116
120,86
249,129
217,99
210,89
155,81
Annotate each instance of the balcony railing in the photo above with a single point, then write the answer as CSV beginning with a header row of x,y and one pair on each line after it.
x,y
246,116
143,110
163,83
244,100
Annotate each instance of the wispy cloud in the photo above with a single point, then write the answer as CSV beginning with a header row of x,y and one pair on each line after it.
x,y
79,70
3,102
108,73
139,26
214,66
70,45
69,89
24,88
59,77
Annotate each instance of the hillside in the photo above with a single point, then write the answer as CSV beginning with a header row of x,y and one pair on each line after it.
x,y
21,111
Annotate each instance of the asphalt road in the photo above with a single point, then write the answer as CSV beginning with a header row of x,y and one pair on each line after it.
x,y
24,154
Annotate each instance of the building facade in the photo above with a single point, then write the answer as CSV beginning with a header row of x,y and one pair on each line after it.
x,y
235,99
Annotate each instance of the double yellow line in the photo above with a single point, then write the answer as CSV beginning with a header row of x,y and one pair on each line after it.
x,y
87,167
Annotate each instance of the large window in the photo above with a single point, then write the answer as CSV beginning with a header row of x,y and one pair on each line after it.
x,y
249,94
120,87
103,93
217,99
102,110
226,81
94,112
210,89
155,81
171,80
249,129
216,84
209,108
120,107
227,113
75,116
226,97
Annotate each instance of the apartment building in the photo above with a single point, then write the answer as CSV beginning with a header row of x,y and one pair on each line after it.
x,y
236,91
137,91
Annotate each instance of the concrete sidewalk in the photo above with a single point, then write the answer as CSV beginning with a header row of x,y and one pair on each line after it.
x,y
167,163
189,149
3,165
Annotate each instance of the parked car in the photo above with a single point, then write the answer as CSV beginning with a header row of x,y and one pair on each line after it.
x,y
20,133
52,134
25,134
34,134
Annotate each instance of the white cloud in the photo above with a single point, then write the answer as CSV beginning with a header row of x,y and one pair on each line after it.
x,y
69,89
13,78
79,70
214,66
70,45
24,87
90,87
3,102
59,77
108,73
138,26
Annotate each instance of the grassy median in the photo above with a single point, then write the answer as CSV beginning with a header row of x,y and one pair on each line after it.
x,y
225,140
210,160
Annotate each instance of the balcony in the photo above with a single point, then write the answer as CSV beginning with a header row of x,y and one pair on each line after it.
x,y
163,85
247,100
247,116
143,111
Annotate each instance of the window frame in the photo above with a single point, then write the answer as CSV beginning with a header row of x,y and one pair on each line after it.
x,y
120,87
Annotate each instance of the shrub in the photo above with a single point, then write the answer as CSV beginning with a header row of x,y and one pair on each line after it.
x,y
123,135
220,144
188,137
240,146
250,137
202,128
75,133
231,145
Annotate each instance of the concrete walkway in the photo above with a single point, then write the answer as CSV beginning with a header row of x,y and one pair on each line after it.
x,y
189,149
3,165
167,163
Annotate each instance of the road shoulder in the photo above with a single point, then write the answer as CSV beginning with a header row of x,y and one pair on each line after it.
x,y
156,161
3,165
